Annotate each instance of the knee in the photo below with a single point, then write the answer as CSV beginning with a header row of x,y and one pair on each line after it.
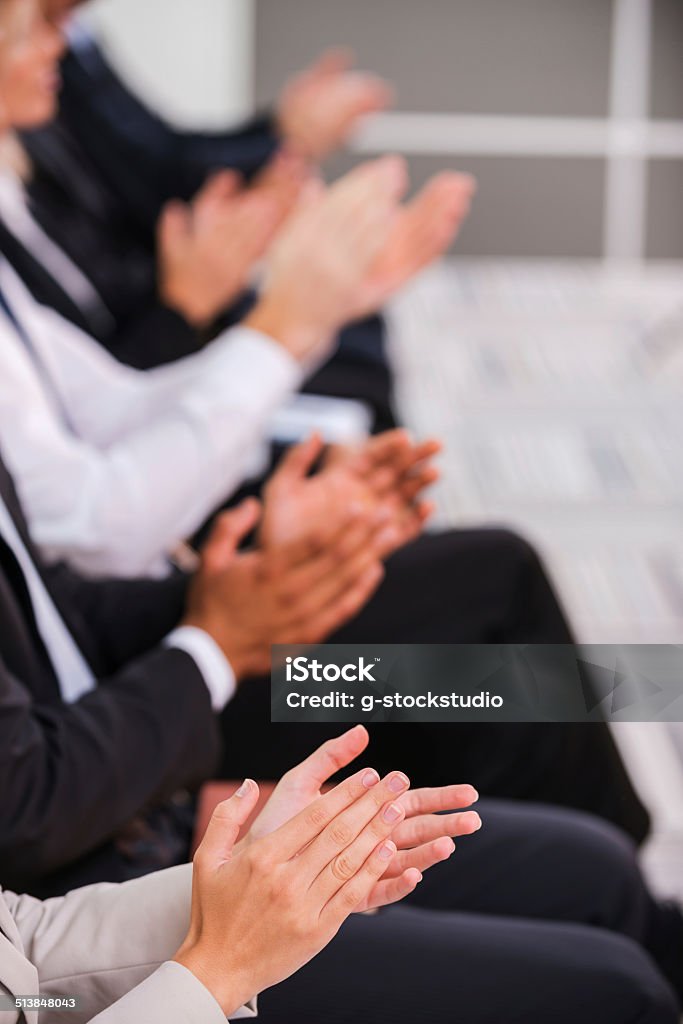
x,y
620,982
600,861
516,550
650,998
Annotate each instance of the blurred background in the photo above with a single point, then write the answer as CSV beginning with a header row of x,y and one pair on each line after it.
x,y
548,351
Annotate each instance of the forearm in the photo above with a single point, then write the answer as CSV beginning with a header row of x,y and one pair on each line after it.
x,y
115,621
127,497
101,942
72,775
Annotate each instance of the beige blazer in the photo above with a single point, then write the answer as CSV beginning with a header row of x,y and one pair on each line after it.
x,y
108,946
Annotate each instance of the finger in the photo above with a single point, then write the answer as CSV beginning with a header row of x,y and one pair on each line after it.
x,y
314,556
420,453
414,832
296,834
297,463
391,890
331,757
350,859
228,532
345,608
369,187
174,225
388,446
410,488
378,808
332,61
360,94
422,858
221,185
427,800
335,584
224,826
355,893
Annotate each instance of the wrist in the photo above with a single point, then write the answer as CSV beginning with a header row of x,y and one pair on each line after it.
x,y
297,334
188,302
233,654
214,976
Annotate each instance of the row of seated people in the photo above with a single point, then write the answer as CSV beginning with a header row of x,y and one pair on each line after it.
x,y
140,376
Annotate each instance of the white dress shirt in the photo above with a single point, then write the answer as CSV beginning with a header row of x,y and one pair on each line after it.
x,y
73,672
74,675
146,456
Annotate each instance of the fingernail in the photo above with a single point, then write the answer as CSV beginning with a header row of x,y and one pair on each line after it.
x,y
398,782
244,788
370,778
392,813
475,794
386,851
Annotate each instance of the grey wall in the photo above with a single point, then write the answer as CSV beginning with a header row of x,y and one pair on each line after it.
x,y
548,58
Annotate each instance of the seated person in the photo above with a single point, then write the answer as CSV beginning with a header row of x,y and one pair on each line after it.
x,y
598,947
152,294
116,467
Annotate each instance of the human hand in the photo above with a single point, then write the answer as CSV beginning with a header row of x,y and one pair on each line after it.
x,y
395,471
296,504
260,914
283,180
319,109
300,592
423,230
423,837
317,268
208,249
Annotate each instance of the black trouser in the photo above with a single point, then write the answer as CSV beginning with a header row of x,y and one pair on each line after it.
x,y
541,917
463,586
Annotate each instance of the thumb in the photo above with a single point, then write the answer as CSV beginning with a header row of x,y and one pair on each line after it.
x,y
331,757
298,462
230,529
219,186
225,824
174,225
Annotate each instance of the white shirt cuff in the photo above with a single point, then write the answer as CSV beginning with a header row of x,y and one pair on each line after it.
x,y
215,668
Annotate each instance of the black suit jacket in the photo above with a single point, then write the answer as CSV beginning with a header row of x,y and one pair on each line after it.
x,y
82,786
140,156
101,174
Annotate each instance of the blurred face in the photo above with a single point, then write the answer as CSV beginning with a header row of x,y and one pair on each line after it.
x,y
57,10
30,49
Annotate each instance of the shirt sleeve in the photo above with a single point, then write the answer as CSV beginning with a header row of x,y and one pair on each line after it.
x,y
150,454
171,994
110,946
215,668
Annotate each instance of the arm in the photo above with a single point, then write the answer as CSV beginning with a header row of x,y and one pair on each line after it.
x,y
115,621
71,775
120,132
145,923
134,501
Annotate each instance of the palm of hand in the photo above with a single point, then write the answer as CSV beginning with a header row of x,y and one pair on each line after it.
x,y
312,507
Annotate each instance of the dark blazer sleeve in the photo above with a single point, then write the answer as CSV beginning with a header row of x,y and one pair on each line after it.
x,y
114,621
143,158
72,775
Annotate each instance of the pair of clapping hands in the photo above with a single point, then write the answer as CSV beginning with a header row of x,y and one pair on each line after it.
x,y
209,248
321,541
263,908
